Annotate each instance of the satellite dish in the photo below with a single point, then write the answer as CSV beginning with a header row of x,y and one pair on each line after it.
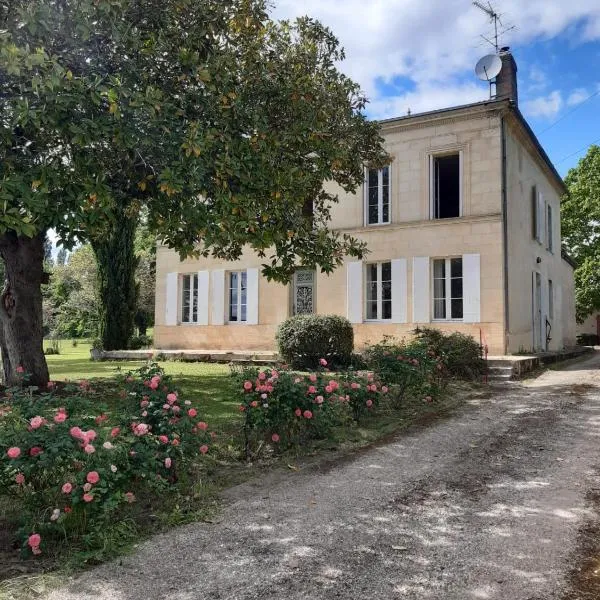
x,y
488,67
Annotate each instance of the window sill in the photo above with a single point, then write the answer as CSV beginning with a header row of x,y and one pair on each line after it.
x,y
377,224
384,321
448,320
236,323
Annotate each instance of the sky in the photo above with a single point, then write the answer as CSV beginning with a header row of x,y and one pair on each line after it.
x,y
421,54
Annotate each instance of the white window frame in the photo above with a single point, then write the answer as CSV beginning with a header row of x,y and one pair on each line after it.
x,y
239,303
549,229
448,290
432,158
194,285
380,202
379,318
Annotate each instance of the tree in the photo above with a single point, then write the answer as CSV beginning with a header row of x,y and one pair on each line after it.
x,y
145,278
61,256
580,222
217,122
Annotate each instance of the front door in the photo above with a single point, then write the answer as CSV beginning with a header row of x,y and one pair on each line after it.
x,y
303,300
538,332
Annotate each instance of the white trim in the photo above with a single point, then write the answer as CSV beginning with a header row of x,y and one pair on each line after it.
x,y
171,295
218,297
471,270
203,297
399,291
354,291
420,283
252,297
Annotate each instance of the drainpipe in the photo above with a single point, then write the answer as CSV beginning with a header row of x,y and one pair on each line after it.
x,y
504,233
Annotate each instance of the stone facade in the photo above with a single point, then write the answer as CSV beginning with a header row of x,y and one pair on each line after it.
x,y
498,309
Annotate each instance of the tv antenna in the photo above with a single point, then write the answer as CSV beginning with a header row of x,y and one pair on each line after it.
x,y
494,17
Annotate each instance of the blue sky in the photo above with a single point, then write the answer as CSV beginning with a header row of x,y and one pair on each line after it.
x,y
420,54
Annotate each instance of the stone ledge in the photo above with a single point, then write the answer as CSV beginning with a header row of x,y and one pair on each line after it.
x,y
257,357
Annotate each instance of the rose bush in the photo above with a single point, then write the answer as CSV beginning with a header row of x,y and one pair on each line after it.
x,y
73,461
285,408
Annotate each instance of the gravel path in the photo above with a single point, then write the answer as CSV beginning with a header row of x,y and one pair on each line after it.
x,y
485,505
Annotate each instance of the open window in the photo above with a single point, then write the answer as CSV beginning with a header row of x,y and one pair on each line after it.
x,y
445,186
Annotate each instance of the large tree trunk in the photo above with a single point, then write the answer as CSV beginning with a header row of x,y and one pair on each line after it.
x,y
21,331
116,259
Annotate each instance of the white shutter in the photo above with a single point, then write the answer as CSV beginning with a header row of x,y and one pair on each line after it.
x,y
421,302
354,291
399,291
252,296
171,294
218,297
203,302
471,288
540,218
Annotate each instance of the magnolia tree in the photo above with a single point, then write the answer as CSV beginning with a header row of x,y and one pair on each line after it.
x,y
217,123
580,224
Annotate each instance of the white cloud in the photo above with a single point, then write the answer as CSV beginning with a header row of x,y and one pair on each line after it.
x,y
544,106
434,43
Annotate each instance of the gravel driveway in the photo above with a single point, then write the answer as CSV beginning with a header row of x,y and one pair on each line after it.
x,y
487,504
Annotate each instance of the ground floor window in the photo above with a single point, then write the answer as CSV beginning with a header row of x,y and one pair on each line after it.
x,y
303,301
447,288
238,302
379,291
189,298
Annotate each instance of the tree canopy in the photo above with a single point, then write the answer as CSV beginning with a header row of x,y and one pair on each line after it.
x,y
580,223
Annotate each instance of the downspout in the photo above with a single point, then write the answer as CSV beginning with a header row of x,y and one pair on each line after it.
x,y
505,232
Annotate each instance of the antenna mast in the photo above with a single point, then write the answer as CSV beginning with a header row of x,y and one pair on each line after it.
x,y
494,18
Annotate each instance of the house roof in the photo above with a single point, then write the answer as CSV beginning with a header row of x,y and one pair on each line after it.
x,y
493,104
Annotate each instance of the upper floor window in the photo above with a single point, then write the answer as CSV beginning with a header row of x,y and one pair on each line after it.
x,y
445,186
550,299
189,298
549,226
379,291
447,288
377,196
238,297
537,214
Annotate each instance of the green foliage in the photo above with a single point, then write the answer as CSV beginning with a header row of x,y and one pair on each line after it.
x,y
140,341
286,409
580,229
412,369
304,339
74,464
588,339
461,354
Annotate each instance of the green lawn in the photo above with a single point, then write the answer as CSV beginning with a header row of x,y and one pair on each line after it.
x,y
207,385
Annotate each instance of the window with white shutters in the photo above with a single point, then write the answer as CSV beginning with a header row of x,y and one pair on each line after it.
x,y
189,298
448,289
238,297
379,291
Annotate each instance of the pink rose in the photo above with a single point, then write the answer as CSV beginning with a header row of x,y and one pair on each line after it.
x,y
50,385
248,385
176,409
322,362
88,497
328,389
163,439
76,432
312,389
153,385
307,414
312,377
204,449
93,477
20,369
175,442
166,406
298,412
130,497
254,404
319,399
141,429
144,403
100,419
262,376
171,398
34,540
20,478
91,435
67,488
384,389
87,487
36,422
202,425
355,386
89,449
13,452
334,385
35,451
168,462
60,417
275,438
369,403
114,432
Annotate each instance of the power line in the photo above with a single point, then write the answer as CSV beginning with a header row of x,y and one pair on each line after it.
x,y
578,151
596,93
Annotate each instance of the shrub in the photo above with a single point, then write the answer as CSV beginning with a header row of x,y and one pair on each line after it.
x,y
460,353
74,463
412,368
304,339
588,339
140,341
284,409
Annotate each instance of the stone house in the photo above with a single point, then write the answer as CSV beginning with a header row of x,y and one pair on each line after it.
x,y
463,229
